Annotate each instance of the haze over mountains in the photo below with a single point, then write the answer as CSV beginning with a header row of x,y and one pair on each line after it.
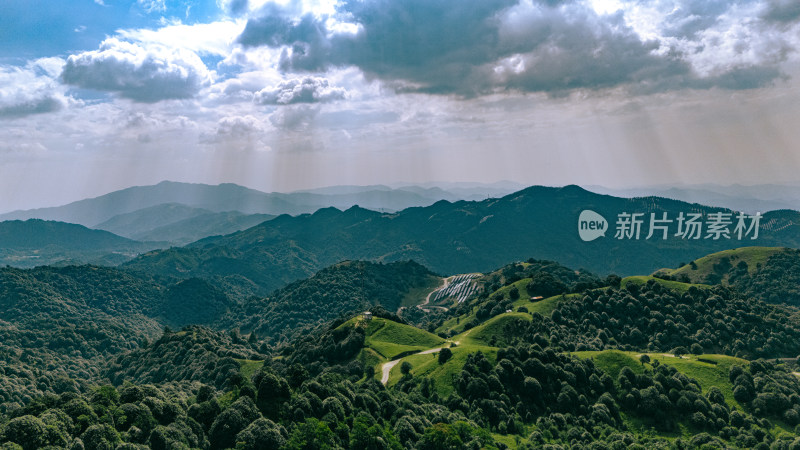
x,y
234,237
179,213
750,199
458,237
275,308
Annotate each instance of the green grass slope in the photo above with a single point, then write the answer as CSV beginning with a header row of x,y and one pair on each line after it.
x,y
496,331
391,339
708,370
753,256
442,375
386,339
674,285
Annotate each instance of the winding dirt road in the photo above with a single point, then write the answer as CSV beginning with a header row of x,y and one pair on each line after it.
x,y
387,367
445,283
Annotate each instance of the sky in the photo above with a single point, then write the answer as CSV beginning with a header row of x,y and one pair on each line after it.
x,y
99,95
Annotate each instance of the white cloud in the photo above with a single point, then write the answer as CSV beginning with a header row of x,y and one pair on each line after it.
x,y
142,73
152,5
32,89
295,117
238,126
300,90
215,38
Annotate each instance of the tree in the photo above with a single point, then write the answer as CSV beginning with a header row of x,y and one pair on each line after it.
x,y
231,421
311,435
444,355
27,431
742,394
273,392
678,351
696,349
405,368
261,434
644,359
366,437
546,285
440,436
100,437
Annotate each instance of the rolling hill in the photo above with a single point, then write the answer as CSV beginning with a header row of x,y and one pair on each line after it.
x,y
231,197
452,238
37,242
639,362
179,224
770,274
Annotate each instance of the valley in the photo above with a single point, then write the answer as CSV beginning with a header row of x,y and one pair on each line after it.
x,y
189,348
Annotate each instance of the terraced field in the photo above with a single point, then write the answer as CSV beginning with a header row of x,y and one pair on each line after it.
x,y
458,287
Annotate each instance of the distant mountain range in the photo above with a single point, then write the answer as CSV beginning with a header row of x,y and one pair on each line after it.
x,y
179,224
37,242
460,237
256,252
180,213
750,199
231,197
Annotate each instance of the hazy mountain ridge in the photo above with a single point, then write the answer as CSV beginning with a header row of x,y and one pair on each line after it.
x,y
455,237
750,199
228,197
38,242
179,224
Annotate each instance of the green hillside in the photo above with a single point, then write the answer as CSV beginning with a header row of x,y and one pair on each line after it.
x,y
36,242
640,362
678,286
709,370
713,265
771,274
340,290
391,339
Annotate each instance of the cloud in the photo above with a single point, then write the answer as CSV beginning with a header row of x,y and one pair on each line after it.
x,y
141,73
781,11
299,90
32,89
295,118
152,5
477,48
237,132
237,7
215,38
238,126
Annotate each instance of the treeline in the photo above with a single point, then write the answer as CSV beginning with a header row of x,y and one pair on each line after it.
x,y
653,318
776,281
339,290
194,353
532,391
58,327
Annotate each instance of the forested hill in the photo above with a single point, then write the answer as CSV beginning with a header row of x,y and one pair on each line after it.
x,y
540,355
339,290
37,242
770,274
455,237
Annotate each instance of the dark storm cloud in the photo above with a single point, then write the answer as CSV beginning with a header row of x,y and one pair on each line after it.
x,y
30,107
782,11
30,90
691,16
474,48
238,7
134,72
